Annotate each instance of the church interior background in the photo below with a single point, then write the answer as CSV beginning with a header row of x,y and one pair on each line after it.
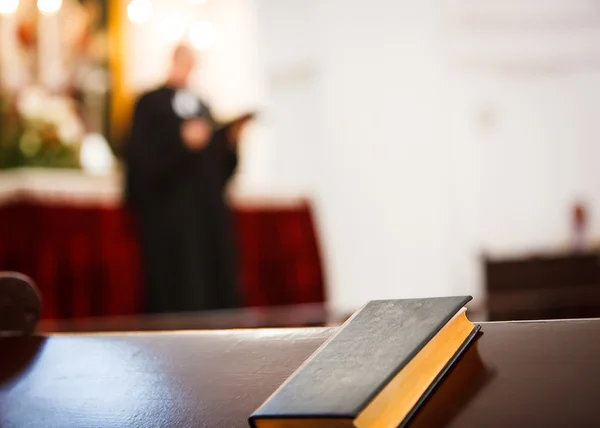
x,y
402,149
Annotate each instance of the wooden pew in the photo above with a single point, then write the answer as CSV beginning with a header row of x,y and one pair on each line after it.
x,y
551,286
537,374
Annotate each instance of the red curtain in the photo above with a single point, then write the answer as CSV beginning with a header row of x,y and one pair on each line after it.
x,y
85,259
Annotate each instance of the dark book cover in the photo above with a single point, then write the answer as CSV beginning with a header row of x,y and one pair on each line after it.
x,y
343,376
236,121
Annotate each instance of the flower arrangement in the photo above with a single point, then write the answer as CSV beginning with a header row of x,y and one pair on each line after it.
x,y
40,129
51,104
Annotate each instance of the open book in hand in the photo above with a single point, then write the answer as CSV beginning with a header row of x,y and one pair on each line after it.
x,y
234,127
238,121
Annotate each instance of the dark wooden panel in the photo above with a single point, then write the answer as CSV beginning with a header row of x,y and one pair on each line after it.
x,y
549,287
542,272
536,374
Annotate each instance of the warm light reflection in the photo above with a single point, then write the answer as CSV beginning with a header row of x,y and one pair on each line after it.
x,y
8,6
110,377
49,6
203,35
173,28
96,158
140,11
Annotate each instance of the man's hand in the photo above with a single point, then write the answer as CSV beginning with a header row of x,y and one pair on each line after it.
x,y
196,133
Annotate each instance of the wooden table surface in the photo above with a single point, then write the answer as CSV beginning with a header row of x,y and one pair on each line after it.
x,y
537,374
306,315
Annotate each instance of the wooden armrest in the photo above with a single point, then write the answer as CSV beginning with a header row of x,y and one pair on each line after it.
x,y
20,307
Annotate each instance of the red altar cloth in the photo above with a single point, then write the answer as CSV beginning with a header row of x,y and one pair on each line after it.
x,y
85,258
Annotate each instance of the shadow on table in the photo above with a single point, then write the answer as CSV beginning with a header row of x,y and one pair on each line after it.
x,y
462,383
17,356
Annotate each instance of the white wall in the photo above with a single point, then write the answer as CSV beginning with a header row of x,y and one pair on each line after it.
x,y
288,35
536,158
377,167
533,72
523,83
443,130
385,201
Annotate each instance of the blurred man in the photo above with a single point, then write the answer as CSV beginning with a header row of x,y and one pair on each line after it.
x,y
178,166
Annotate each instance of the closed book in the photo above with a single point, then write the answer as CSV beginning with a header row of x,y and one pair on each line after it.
x,y
376,370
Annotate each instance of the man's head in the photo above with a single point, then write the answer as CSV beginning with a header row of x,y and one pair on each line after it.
x,y
182,65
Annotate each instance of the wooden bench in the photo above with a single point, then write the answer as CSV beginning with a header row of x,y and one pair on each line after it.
x,y
537,374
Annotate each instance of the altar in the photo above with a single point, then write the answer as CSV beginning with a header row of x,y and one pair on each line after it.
x,y
68,230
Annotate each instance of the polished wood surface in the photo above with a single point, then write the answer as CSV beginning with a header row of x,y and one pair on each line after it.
x,y
308,315
526,374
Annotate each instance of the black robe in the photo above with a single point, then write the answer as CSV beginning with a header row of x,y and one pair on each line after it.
x,y
186,236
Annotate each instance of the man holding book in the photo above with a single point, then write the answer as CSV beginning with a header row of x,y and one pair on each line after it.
x,y
179,162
